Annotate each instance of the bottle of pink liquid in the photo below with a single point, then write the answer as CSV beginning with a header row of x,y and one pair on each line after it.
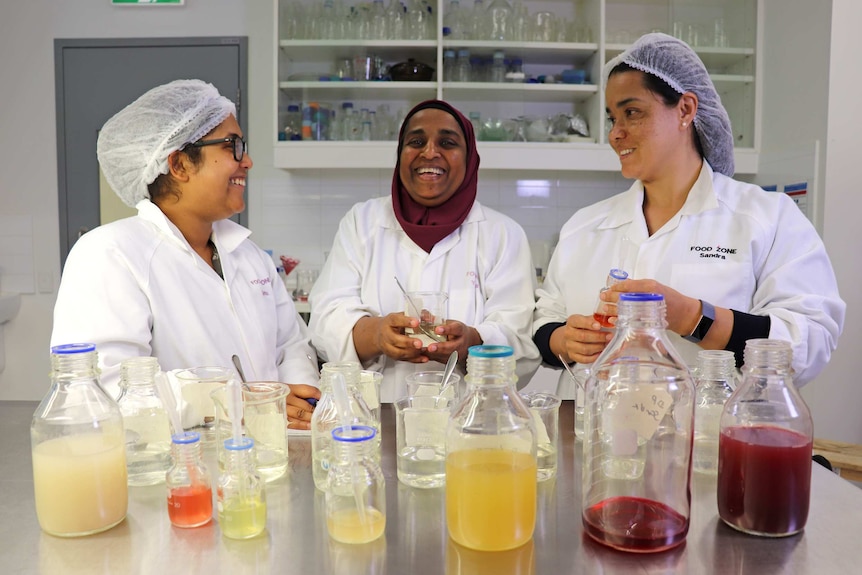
x,y
764,449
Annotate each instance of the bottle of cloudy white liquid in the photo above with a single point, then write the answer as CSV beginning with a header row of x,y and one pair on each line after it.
x,y
715,379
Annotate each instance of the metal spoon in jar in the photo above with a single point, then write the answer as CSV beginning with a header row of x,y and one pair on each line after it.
x,y
447,372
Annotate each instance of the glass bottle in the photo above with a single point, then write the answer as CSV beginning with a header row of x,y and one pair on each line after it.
x,y
148,434
491,457
638,434
241,500
356,498
606,310
765,446
448,65
453,19
190,495
462,66
498,67
77,441
293,123
499,18
326,416
714,381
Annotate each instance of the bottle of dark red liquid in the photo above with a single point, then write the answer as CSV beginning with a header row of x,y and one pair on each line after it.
x,y
764,449
638,434
605,310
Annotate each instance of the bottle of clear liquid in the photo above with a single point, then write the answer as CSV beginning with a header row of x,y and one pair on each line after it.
x,y
476,120
356,498
190,495
293,123
453,19
765,446
478,24
498,67
148,433
462,66
714,381
326,416
638,434
241,499
379,22
78,449
396,17
491,457
606,310
448,65
500,20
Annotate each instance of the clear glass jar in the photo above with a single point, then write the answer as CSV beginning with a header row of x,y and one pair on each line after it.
x,y
499,18
491,457
78,449
765,446
327,417
241,499
293,123
638,434
714,381
190,495
606,310
148,433
356,498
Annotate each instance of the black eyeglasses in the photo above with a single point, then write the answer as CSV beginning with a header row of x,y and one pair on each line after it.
x,y
239,145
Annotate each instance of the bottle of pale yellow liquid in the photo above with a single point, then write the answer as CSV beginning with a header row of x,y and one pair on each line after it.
x,y
356,498
79,458
491,457
241,500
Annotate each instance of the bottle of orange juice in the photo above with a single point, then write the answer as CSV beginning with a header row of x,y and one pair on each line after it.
x,y
78,444
491,457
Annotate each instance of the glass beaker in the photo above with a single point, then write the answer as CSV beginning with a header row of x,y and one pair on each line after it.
x,y
265,421
764,451
545,408
148,434
491,457
638,434
196,385
420,439
305,279
78,449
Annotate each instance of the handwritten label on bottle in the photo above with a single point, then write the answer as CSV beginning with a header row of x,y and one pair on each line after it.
x,y
642,409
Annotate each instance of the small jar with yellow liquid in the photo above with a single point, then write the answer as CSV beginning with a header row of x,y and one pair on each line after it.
x,y
491,457
241,500
356,499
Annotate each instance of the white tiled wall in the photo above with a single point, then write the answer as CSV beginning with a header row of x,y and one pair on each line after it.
x,y
300,210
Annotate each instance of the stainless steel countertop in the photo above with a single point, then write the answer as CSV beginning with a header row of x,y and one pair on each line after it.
x,y
416,540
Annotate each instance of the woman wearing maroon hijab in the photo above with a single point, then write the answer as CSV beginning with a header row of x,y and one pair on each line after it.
x,y
432,235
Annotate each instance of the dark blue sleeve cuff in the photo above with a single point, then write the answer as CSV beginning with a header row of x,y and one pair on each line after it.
x,y
542,339
745,327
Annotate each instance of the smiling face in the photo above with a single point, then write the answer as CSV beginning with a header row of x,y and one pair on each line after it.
x,y
214,188
433,158
646,133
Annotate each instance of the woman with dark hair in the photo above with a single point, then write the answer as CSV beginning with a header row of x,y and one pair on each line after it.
x,y
433,235
732,261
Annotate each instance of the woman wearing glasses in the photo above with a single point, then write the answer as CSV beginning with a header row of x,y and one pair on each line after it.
x,y
180,281
733,262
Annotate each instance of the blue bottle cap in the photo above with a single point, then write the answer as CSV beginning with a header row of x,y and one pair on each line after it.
x,y
637,297
490,351
353,433
619,274
186,437
239,445
69,348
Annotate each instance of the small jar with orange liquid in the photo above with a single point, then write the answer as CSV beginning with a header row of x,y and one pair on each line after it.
x,y
605,310
491,457
190,496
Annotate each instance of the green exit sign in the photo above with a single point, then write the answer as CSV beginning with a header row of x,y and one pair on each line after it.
x,y
144,2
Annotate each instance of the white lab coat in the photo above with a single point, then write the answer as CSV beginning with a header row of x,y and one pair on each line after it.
x,y
732,244
135,287
484,265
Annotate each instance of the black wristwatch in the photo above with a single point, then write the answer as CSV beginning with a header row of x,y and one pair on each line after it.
x,y
707,316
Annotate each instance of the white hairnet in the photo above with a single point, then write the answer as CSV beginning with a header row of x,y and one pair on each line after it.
x,y
134,145
673,61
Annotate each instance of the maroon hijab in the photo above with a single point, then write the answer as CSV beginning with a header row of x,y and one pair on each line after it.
x,y
427,226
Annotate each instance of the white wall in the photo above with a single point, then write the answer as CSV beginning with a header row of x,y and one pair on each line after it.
x,y
296,213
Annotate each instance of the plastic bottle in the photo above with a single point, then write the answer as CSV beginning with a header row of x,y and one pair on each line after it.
x,y
714,381
606,310
190,495
326,417
765,447
462,66
148,433
241,499
356,498
293,123
78,453
498,68
638,434
491,457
